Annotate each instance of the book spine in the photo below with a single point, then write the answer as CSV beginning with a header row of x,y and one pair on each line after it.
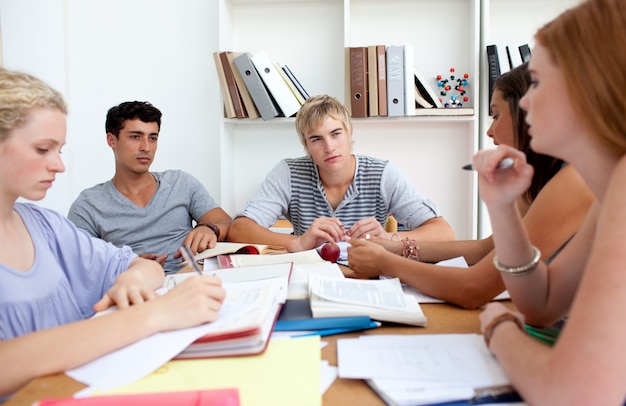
x,y
382,80
291,85
229,109
296,82
395,81
372,81
508,57
347,82
408,68
493,64
258,92
358,81
232,86
248,103
524,53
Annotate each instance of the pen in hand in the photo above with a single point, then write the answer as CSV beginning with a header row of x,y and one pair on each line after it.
x,y
188,257
504,164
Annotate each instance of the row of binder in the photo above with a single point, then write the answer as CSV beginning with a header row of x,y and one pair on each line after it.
x,y
253,86
383,81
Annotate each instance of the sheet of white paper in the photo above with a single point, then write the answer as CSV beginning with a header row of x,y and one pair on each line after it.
x,y
298,282
459,359
405,392
142,357
329,374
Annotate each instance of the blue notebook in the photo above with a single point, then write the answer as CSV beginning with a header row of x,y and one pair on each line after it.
x,y
296,316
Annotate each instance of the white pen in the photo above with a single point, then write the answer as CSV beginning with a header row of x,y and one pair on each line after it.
x,y
504,164
188,257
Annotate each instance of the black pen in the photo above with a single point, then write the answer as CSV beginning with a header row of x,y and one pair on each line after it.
x,y
188,257
504,164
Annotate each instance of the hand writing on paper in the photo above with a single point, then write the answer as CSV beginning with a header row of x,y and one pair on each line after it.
x,y
194,301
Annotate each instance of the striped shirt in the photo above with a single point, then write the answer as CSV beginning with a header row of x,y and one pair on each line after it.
x,y
293,189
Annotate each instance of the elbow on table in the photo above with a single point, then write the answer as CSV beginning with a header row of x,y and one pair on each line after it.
x,y
237,232
473,297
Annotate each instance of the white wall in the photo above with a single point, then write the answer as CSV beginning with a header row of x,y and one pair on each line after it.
x,y
99,53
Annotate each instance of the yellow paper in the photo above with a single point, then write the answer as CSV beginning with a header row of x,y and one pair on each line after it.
x,y
287,373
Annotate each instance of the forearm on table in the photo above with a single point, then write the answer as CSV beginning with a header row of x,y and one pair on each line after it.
x,y
73,344
469,288
472,250
436,229
245,230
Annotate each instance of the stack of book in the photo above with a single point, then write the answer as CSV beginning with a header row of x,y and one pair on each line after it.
x,y
253,86
381,80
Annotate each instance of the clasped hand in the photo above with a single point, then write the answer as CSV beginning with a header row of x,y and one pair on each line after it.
x,y
330,229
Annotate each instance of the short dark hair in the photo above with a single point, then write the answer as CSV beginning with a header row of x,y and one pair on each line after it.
x,y
117,115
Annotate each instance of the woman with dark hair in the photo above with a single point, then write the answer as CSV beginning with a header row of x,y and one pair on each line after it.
x,y
553,205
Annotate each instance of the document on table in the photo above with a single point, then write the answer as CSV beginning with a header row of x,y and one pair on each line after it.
x,y
420,369
143,357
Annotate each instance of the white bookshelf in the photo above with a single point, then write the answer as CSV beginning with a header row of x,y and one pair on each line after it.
x,y
310,37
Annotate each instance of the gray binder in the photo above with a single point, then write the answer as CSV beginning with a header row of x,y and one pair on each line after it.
x,y
261,97
395,80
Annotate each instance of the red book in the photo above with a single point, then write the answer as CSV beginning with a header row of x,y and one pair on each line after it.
x,y
211,397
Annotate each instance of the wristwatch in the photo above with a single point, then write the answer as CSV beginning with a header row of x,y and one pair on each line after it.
x,y
212,226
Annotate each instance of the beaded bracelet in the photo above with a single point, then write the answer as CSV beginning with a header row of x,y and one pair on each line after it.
x,y
496,321
411,249
519,270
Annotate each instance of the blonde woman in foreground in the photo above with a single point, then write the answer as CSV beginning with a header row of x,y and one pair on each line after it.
x,y
54,276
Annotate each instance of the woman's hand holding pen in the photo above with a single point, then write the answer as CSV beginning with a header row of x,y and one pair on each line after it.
x,y
502,186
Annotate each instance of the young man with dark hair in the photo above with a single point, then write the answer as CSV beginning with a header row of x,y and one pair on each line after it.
x,y
152,212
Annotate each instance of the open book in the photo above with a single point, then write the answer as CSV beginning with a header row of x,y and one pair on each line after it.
x,y
238,267
254,298
223,248
381,300
250,307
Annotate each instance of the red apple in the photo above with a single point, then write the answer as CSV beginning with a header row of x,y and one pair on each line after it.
x,y
330,252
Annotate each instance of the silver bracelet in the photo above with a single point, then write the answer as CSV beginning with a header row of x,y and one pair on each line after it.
x,y
519,270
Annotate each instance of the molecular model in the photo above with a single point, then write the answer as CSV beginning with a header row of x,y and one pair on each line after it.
x,y
453,89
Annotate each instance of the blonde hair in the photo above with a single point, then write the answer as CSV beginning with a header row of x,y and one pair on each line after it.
x,y
586,42
19,94
315,110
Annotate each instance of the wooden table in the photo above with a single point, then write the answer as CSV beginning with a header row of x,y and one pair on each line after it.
x,y
442,319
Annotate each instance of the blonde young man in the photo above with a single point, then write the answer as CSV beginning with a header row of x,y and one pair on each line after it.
x,y
332,193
